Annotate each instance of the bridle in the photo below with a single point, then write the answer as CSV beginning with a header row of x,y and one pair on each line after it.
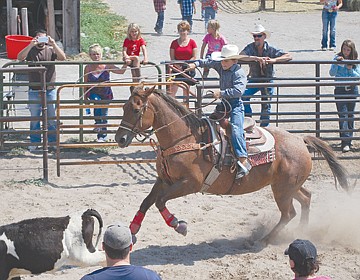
x,y
133,128
146,134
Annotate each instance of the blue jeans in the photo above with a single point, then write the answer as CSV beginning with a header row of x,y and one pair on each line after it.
x,y
328,19
189,19
160,21
100,115
35,111
237,127
209,14
346,114
266,94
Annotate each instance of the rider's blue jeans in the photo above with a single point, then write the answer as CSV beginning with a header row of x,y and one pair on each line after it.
x,y
237,126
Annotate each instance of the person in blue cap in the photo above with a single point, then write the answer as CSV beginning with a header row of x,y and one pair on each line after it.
x,y
303,260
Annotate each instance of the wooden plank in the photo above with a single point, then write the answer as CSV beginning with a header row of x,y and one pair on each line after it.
x,y
71,32
51,19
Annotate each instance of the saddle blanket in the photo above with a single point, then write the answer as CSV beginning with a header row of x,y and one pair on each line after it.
x,y
262,158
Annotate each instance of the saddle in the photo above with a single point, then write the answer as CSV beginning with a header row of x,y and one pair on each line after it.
x,y
260,146
258,141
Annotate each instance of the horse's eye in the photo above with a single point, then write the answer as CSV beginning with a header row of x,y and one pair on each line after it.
x,y
136,111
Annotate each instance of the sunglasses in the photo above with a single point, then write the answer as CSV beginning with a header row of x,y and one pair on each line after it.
x,y
257,35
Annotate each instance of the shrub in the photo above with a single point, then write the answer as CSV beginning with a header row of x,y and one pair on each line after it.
x,y
353,5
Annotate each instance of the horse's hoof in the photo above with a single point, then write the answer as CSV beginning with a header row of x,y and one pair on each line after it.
x,y
134,239
181,228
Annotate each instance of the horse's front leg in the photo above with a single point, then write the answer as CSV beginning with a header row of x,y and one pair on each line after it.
x,y
178,189
144,207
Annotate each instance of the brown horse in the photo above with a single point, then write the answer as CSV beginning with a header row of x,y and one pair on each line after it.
x,y
186,170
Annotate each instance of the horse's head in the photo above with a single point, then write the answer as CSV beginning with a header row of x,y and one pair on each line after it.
x,y
137,116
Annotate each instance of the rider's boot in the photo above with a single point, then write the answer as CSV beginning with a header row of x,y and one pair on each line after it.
x,y
243,167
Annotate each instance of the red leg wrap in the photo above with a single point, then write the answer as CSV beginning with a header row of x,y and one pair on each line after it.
x,y
169,218
136,222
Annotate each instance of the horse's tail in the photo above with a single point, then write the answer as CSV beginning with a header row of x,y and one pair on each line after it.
x,y
337,169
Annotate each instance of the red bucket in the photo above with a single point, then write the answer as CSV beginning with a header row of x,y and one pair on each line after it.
x,y
15,44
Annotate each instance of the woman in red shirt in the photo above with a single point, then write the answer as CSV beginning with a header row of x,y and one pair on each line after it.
x,y
182,48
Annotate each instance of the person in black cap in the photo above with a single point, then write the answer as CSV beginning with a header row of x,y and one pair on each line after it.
x,y
302,258
117,243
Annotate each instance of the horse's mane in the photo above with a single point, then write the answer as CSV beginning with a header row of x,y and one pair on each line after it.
x,y
190,117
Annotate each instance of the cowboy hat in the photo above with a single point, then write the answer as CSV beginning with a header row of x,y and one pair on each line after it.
x,y
227,52
260,29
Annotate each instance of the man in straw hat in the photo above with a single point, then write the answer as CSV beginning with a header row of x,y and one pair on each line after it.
x,y
262,71
232,87
302,259
117,243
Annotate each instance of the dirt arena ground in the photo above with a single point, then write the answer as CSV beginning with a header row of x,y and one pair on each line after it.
x,y
223,230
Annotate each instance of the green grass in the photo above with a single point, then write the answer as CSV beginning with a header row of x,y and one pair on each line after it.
x,y
99,25
36,182
95,150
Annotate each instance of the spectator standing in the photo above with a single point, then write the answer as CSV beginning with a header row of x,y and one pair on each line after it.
x,y
232,86
160,7
328,15
42,48
210,8
132,46
188,9
214,42
265,56
182,48
100,73
303,260
117,243
347,94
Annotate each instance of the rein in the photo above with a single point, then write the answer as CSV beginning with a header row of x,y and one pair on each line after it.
x,y
147,135
134,130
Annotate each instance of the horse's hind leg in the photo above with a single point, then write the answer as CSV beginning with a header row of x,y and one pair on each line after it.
x,y
288,212
144,207
284,202
304,198
283,195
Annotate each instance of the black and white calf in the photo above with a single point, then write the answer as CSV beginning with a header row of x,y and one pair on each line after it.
x,y
45,244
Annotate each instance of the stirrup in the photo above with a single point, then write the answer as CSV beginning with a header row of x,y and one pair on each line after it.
x,y
242,169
